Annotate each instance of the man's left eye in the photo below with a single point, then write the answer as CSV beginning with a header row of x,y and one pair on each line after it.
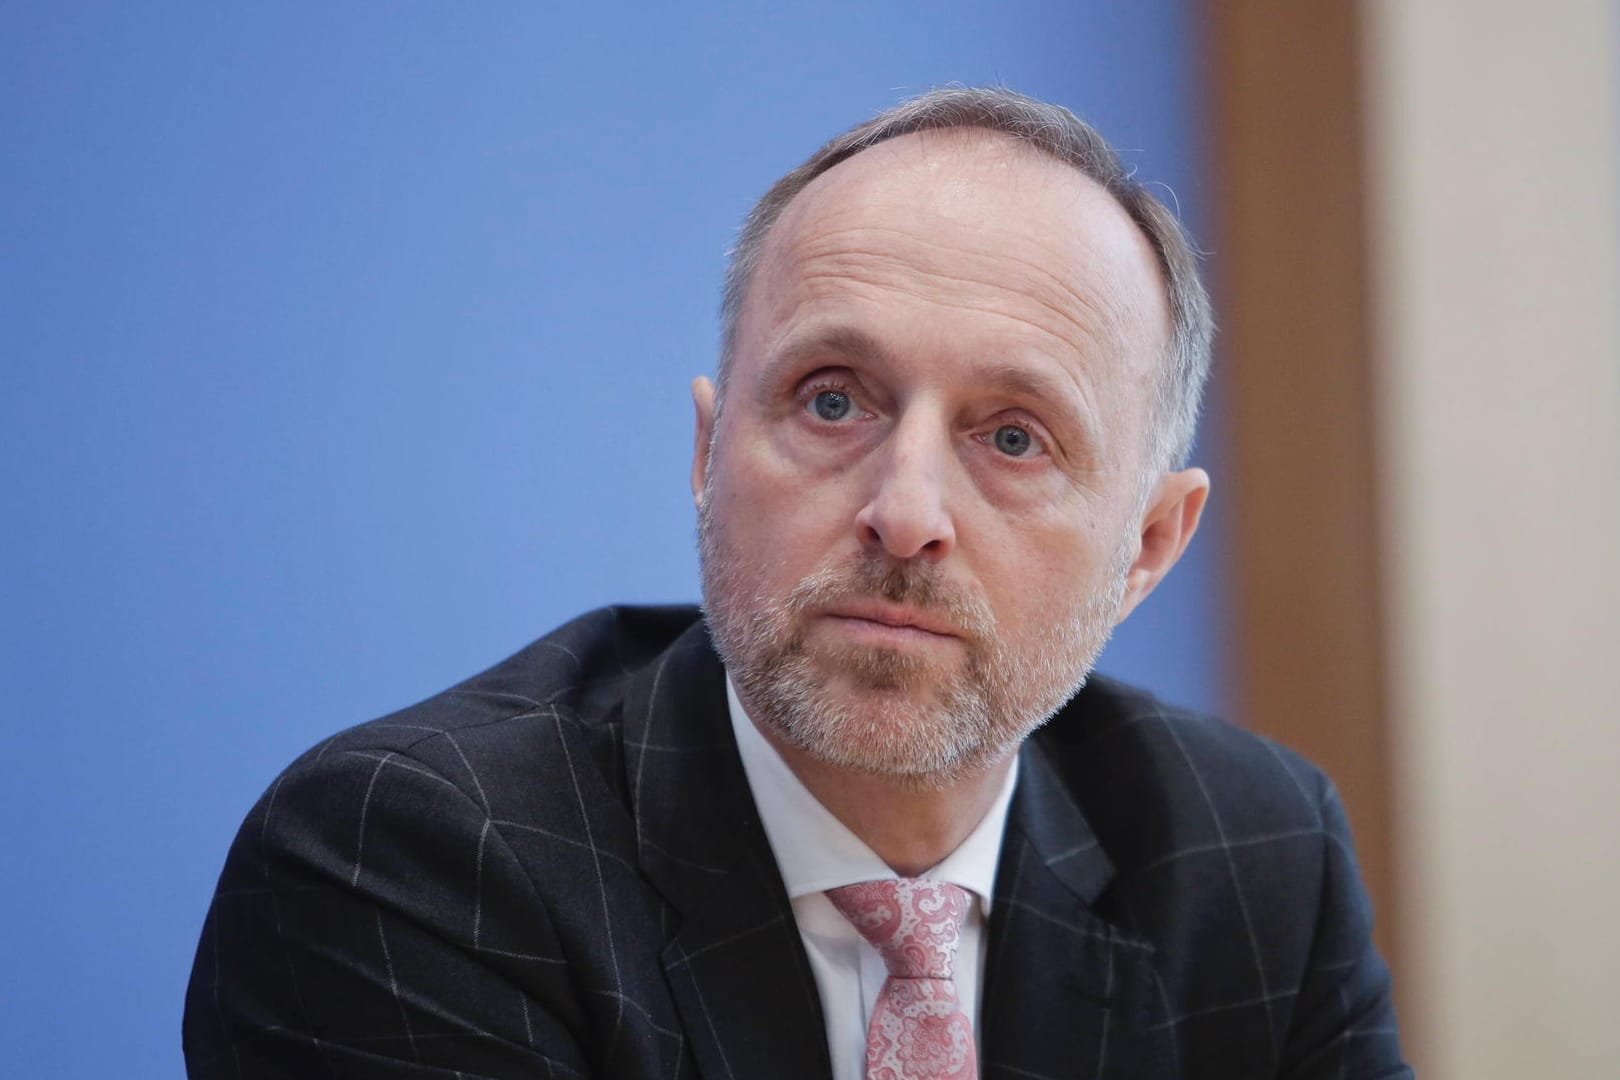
x,y
831,405
1013,440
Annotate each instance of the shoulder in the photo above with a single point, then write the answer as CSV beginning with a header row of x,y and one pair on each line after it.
x,y
1233,861
535,737
526,753
1157,782
574,677
442,848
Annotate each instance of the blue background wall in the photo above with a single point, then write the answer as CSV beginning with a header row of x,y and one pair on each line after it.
x,y
344,349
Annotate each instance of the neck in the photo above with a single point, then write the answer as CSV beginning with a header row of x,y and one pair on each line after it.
x,y
910,827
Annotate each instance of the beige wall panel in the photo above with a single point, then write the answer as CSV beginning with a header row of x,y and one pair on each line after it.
x,y
1492,140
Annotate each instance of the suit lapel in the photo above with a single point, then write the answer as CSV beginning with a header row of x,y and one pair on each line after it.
x,y
1065,991
734,959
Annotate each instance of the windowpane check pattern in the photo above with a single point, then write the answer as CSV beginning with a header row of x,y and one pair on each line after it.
x,y
555,869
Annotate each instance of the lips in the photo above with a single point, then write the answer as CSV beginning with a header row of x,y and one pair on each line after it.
x,y
898,617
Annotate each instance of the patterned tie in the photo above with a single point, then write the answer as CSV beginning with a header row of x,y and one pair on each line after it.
x,y
918,1028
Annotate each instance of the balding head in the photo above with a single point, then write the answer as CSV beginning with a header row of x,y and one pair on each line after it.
x,y
1057,134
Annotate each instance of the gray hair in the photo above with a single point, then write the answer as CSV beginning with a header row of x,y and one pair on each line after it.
x,y
1058,133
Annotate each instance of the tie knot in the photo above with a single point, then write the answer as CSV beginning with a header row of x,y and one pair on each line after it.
x,y
914,923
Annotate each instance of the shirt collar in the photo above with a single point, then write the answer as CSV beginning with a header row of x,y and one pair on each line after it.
x,y
815,851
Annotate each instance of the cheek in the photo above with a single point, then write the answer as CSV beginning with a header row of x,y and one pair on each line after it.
x,y
759,501
1043,574
779,522
1036,496
746,473
778,478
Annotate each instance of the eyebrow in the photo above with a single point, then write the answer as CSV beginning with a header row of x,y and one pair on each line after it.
x,y
1017,381
1021,382
841,341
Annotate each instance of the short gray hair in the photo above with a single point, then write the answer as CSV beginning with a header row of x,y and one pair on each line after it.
x,y
1054,131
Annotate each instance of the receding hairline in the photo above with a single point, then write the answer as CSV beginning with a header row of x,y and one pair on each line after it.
x,y
958,152
965,144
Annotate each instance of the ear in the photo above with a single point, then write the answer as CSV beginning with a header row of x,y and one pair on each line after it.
x,y
703,434
1168,524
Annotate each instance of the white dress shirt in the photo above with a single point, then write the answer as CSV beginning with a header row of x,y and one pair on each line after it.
x,y
815,852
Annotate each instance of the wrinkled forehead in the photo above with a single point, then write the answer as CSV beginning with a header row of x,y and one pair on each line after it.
x,y
989,211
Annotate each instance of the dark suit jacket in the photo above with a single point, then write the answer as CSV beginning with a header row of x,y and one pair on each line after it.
x,y
556,869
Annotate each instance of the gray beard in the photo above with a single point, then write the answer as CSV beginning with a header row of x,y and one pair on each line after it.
x,y
907,720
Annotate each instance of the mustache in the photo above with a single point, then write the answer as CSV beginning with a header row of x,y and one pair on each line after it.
x,y
912,584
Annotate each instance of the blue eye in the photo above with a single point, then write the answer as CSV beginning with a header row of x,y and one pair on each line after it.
x,y
831,405
1012,440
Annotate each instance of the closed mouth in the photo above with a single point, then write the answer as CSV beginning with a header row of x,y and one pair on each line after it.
x,y
897,617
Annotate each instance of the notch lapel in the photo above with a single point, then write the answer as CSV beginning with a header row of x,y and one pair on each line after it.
x,y
734,960
1065,991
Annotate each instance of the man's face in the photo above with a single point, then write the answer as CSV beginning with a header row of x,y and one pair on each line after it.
x,y
924,491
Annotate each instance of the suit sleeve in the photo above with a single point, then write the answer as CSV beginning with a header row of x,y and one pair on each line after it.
x,y
1344,1020
371,922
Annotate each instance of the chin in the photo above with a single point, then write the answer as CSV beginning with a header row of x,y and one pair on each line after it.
x,y
908,763
888,723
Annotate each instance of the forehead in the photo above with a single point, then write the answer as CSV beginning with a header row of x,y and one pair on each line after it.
x,y
968,221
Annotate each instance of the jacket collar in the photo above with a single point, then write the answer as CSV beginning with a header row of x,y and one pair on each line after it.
x,y
735,962
1065,990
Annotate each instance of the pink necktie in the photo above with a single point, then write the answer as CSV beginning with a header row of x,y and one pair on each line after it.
x,y
918,1028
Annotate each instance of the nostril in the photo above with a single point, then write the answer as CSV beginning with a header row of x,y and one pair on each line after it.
x,y
905,518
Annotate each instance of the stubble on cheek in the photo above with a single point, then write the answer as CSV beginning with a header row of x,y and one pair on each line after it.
x,y
919,717
870,708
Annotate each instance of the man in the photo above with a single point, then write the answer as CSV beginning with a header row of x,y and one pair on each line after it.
x,y
822,830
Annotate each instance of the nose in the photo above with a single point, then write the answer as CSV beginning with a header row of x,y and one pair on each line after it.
x,y
908,514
